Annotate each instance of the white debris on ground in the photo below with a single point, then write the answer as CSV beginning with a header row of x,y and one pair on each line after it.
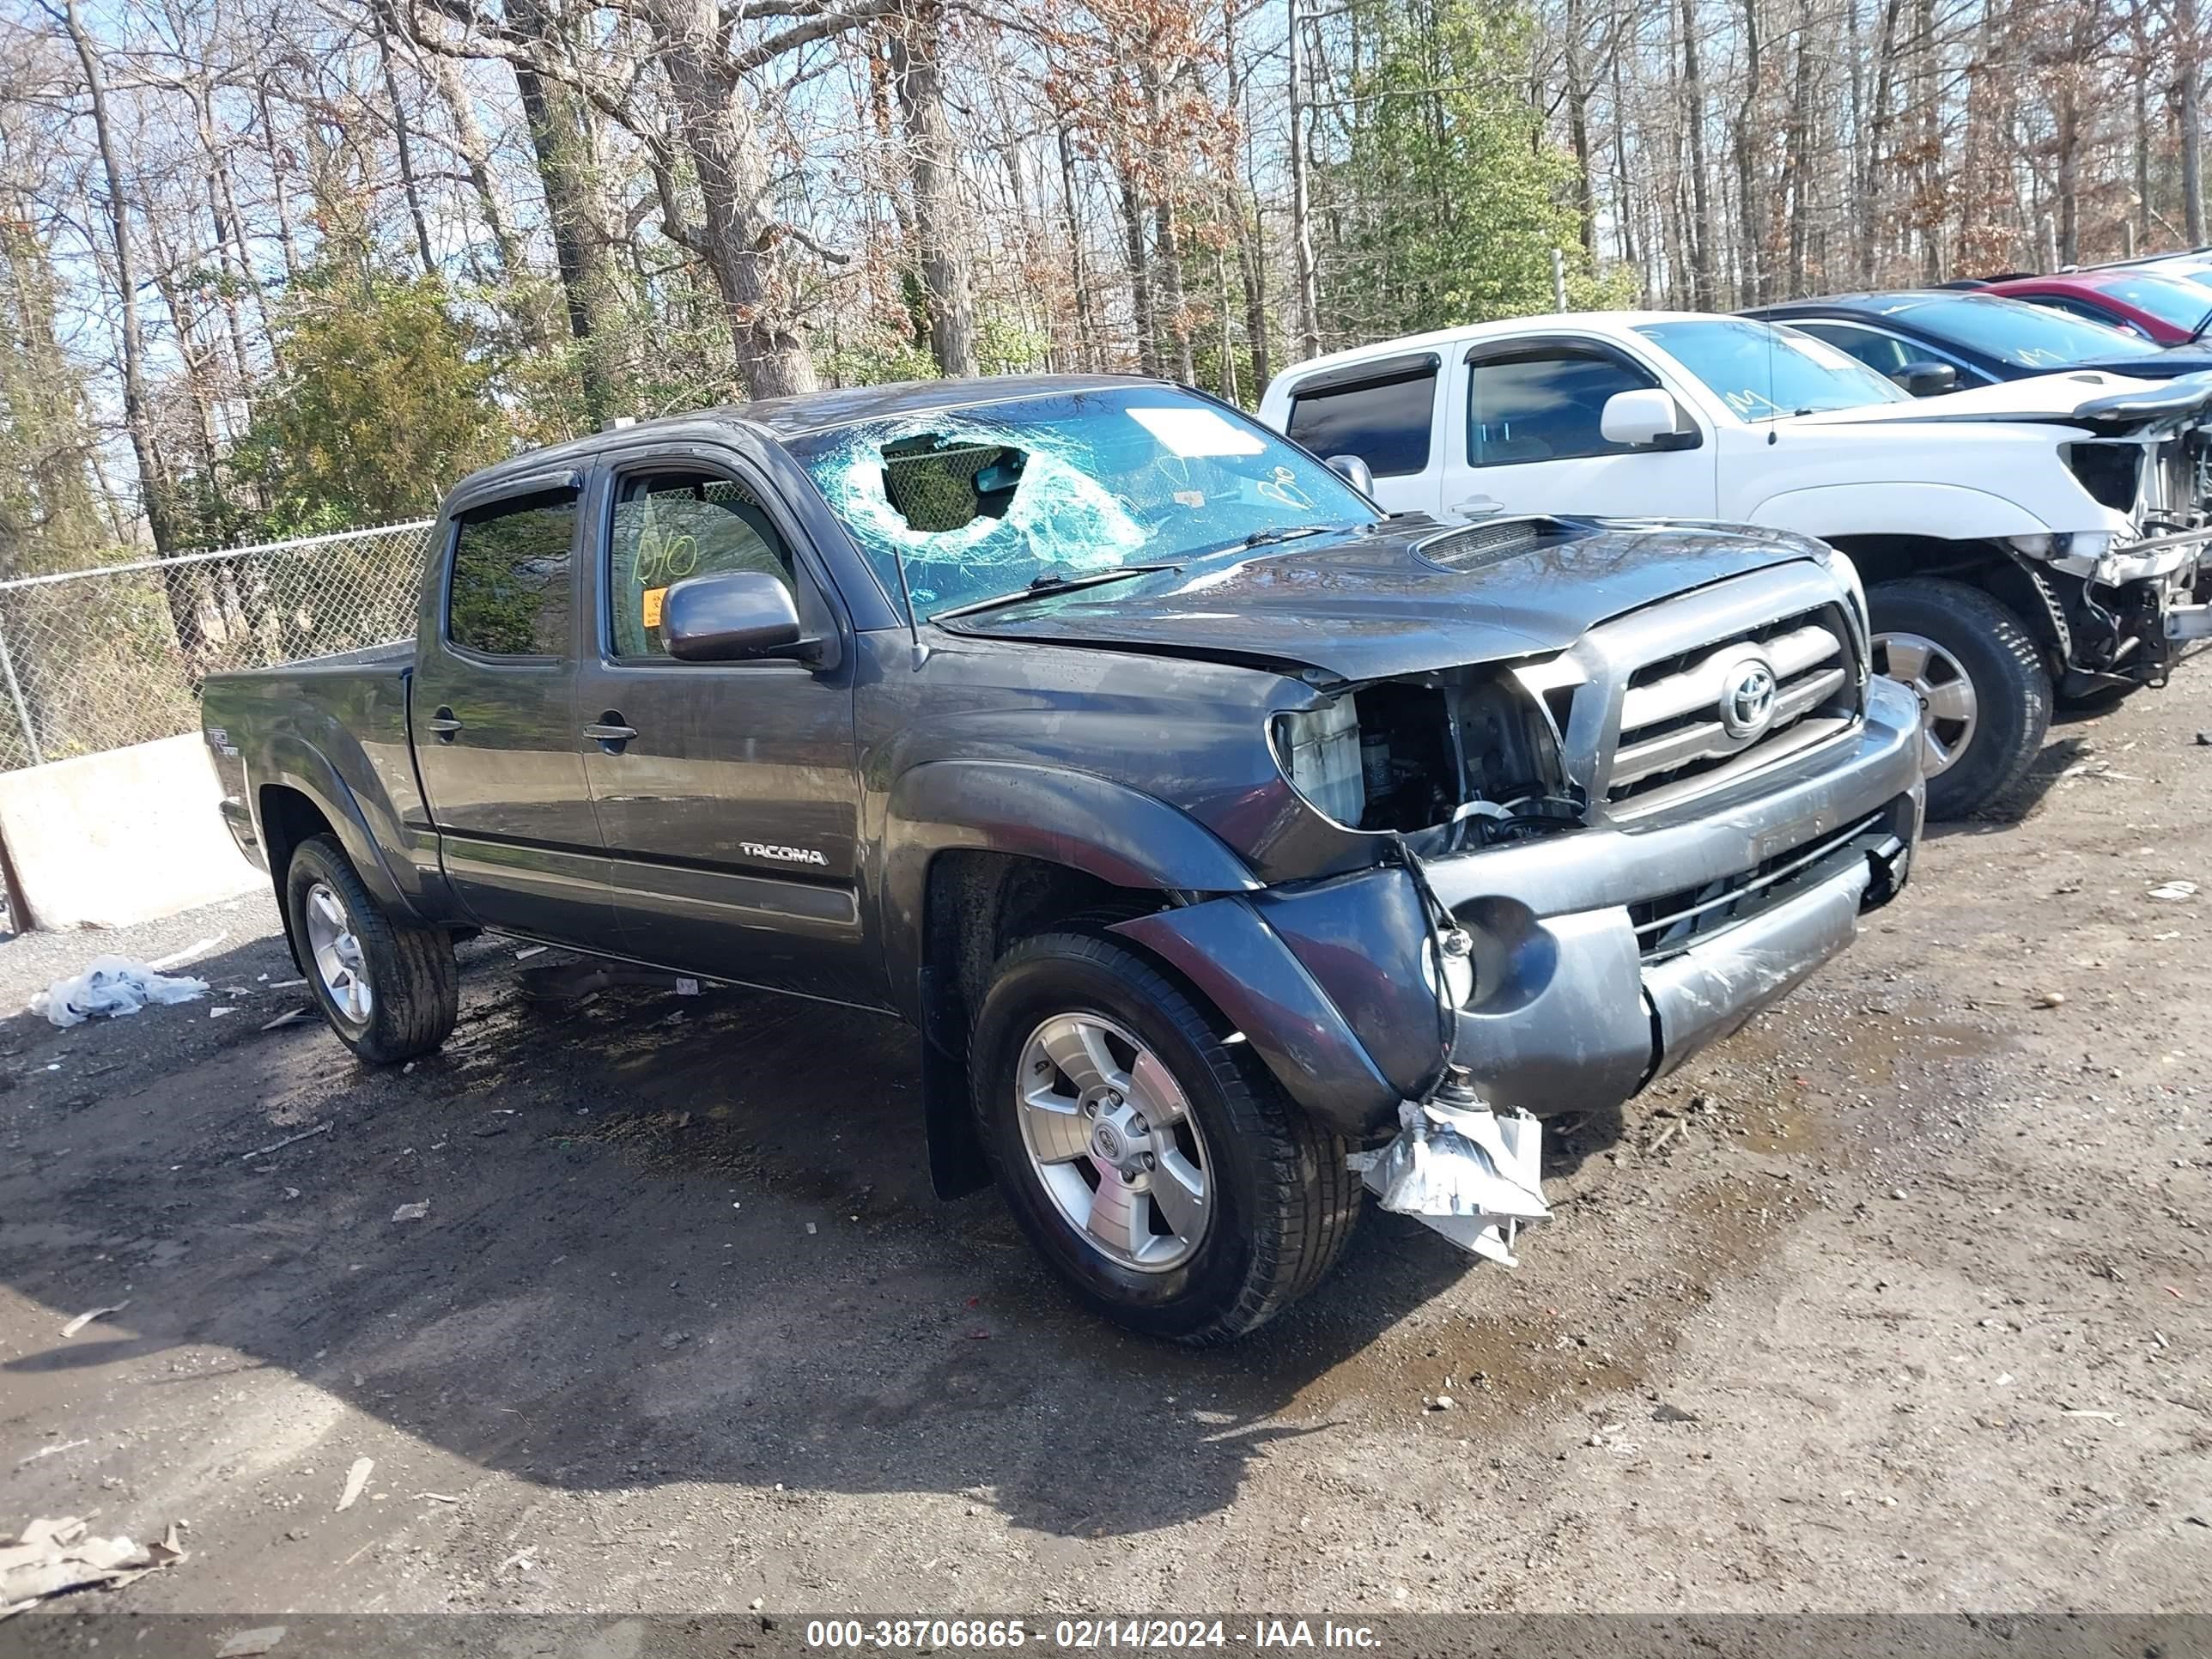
x,y
111,985
1463,1170
51,1557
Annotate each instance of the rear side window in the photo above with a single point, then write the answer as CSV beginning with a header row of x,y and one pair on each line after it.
x,y
512,592
1544,406
1385,423
668,525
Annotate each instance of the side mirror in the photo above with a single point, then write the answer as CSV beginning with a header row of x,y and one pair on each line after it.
x,y
1354,472
1646,418
736,617
1925,379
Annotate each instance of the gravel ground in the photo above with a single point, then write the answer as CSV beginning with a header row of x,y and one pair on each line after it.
x,y
1894,1301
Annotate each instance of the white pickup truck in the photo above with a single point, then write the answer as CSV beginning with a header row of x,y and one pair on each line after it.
x,y
2021,544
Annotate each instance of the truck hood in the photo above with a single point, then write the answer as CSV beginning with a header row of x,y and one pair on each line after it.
x,y
1388,600
2089,398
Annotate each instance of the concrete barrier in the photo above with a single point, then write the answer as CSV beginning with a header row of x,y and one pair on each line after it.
x,y
109,839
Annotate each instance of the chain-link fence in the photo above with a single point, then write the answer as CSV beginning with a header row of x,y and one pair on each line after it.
x,y
93,660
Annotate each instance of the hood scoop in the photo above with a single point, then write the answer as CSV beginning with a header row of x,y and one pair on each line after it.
x,y
1482,546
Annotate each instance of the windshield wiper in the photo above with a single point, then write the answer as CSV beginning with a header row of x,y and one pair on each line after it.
x,y
1047,584
1291,532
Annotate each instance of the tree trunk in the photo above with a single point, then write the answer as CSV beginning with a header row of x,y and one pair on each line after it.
x,y
1140,282
1578,131
2070,173
1756,286
1877,121
137,415
406,149
2190,82
1703,244
1078,271
1249,257
475,156
1302,202
575,211
280,199
1798,140
743,244
920,80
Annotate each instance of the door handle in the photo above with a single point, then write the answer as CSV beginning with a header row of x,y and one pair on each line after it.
x,y
444,724
610,733
1477,507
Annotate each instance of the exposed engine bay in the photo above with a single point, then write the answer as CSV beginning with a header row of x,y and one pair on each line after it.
x,y
1451,760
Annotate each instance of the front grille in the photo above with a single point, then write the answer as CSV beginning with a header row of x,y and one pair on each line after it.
x,y
1676,734
1671,924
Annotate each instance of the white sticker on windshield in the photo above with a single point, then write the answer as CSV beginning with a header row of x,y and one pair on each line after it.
x,y
1193,431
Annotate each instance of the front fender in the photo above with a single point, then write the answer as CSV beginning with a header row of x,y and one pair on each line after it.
x,y
1943,511
1074,819
1245,970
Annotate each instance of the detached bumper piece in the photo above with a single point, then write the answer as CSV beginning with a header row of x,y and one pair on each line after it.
x,y
1461,1170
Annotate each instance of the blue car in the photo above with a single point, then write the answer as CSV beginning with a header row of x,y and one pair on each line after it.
x,y
1935,340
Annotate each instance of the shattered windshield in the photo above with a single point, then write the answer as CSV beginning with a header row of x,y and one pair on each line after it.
x,y
976,503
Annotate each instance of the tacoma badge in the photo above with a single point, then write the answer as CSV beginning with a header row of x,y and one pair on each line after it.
x,y
753,849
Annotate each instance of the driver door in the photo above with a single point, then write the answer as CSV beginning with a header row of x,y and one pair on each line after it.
x,y
727,794
1529,440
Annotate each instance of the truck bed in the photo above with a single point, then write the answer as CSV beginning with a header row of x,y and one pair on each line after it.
x,y
297,723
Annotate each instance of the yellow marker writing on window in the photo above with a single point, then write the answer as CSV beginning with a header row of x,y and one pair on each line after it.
x,y
649,609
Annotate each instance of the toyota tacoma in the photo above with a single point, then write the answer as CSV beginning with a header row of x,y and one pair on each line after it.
x,y
1224,838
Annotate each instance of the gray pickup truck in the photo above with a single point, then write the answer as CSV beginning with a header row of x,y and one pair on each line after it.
x,y
1210,826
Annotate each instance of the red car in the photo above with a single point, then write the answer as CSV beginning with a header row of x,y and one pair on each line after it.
x,y
2167,310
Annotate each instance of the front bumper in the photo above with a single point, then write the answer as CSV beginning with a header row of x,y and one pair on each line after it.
x,y
1604,957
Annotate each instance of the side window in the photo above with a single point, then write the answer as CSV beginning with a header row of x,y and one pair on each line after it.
x,y
1544,406
511,593
2088,311
668,525
1385,423
1885,354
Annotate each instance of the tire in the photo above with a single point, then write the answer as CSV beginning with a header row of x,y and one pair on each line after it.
x,y
2008,689
1279,1206
412,983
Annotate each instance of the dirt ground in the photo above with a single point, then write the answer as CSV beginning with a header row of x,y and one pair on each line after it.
x,y
1895,1301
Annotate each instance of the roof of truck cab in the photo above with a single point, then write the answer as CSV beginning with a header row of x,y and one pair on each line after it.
x,y
813,411
1614,324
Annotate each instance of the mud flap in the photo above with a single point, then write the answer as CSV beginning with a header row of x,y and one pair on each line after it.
x,y
1463,1171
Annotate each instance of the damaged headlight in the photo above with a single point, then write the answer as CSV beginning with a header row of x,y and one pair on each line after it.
x,y
1318,749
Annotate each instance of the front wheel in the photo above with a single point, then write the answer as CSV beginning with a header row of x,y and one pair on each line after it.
x,y
390,988
1984,694
1160,1170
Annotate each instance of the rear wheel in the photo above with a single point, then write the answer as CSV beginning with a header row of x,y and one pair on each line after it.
x,y
1985,695
390,988
1161,1172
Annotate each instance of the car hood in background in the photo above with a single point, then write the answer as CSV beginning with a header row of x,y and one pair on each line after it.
x,y
1369,604
2073,397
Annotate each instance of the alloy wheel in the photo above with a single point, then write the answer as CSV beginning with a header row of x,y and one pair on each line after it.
x,y
1111,1138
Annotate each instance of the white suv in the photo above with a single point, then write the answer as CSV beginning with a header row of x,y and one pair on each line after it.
x,y
2021,542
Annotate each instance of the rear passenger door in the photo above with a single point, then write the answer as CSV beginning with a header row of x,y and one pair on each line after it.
x,y
1529,439
731,813
1385,411
491,709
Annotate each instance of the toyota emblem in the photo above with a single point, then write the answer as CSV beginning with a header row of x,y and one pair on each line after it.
x,y
1747,698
